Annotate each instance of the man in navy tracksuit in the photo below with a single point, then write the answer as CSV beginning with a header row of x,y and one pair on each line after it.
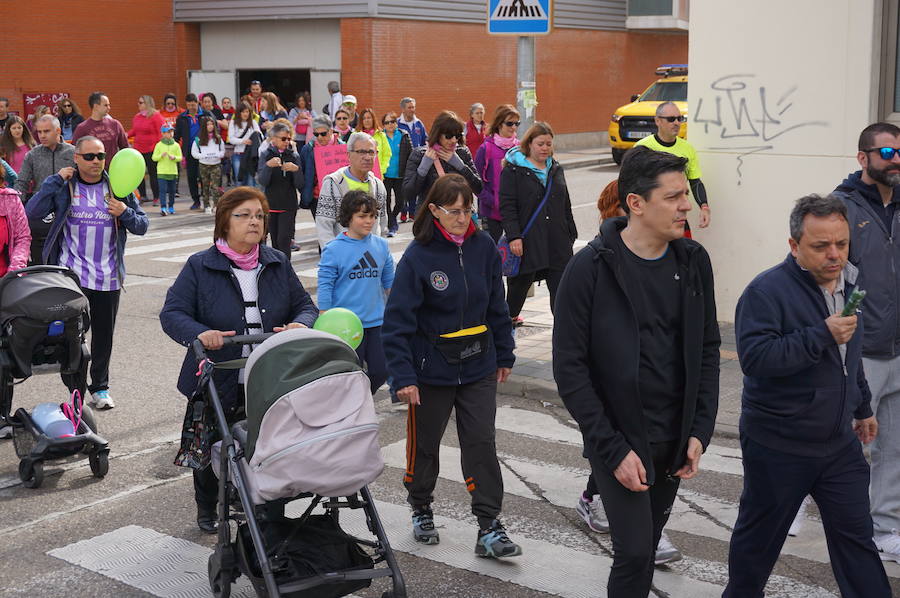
x,y
805,409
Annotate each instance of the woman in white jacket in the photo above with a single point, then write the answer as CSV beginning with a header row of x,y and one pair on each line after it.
x,y
209,149
240,134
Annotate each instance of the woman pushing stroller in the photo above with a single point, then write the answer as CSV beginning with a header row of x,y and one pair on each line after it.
x,y
237,286
448,341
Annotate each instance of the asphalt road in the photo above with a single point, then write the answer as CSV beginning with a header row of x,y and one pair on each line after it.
x,y
133,533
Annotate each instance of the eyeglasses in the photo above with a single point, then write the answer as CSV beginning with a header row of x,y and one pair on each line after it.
x,y
322,134
886,153
389,122
91,156
364,152
512,123
673,119
247,215
457,213
285,139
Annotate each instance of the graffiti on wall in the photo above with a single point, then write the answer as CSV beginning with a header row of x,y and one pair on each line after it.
x,y
749,117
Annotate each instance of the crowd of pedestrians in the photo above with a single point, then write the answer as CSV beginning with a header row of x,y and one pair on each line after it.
x,y
635,340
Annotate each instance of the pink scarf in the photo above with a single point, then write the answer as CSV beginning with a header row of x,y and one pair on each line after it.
x,y
505,143
244,261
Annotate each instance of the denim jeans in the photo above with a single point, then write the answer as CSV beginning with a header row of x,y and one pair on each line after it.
x,y
167,192
248,180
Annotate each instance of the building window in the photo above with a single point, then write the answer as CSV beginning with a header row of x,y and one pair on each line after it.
x,y
663,15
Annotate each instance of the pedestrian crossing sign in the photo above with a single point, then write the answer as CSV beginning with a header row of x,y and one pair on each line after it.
x,y
519,17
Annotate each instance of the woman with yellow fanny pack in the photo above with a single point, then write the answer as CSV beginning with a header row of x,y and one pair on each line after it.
x,y
448,342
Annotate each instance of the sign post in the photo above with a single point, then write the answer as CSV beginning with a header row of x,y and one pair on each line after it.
x,y
525,18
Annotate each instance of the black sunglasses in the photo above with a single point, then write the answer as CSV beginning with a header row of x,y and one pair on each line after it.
x,y
886,153
389,122
91,156
512,123
285,139
673,119
322,134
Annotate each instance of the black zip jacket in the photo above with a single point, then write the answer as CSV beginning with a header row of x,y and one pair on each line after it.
x,y
799,394
596,351
280,186
875,250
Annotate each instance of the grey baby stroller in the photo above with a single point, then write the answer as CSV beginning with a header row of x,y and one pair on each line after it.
x,y
311,433
44,316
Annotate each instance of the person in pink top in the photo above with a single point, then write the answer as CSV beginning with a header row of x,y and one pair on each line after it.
x,y
15,141
499,139
102,126
145,128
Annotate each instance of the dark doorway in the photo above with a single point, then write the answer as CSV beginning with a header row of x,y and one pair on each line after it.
x,y
285,83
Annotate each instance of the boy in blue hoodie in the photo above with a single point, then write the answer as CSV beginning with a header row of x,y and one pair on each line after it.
x,y
356,272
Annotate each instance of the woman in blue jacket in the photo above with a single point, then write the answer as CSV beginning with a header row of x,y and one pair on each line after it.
x,y
448,342
237,286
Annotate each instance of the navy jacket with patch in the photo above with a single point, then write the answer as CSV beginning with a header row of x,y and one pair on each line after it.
x,y
441,288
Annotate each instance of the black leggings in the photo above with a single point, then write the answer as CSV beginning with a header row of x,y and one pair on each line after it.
x,y
281,228
151,172
636,521
393,185
517,288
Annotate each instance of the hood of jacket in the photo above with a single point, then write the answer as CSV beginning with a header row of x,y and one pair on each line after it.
x,y
516,157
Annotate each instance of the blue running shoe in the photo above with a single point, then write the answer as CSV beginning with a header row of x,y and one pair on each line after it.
x,y
423,526
494,543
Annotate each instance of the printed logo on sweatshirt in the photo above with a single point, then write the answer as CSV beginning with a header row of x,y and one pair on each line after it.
x,y
367,267
439,280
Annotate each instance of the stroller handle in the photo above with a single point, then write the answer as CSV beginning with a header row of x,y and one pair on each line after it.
x,y
240,339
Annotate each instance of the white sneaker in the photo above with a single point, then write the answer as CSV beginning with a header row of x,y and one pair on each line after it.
x,y
888,546
208,210
101,400
593,514
5,432
799,518
666,551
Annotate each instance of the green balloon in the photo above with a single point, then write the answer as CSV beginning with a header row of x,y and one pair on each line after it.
x,y
126,171
342,323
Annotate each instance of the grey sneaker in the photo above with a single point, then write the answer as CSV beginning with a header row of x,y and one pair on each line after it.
x,y
888,546
666,551
593,514
101,400
423,526
494,543
5,432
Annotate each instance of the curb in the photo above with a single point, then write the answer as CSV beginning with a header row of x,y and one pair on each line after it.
x,y
584,162
542,390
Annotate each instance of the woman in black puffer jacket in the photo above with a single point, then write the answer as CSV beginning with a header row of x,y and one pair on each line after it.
x,y
446,152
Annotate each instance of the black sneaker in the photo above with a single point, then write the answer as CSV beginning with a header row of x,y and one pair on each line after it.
x,y
423,526
494,543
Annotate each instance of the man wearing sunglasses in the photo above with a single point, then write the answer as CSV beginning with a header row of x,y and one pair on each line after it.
x,y
872,198
668,124
88,235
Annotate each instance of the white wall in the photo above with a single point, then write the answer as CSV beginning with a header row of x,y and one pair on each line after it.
x,y
784,124
294,44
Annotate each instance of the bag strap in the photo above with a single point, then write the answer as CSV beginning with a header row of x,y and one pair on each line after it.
x,y
540,207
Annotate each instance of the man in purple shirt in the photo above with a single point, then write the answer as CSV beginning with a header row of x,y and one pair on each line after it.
x,y
88,235
102,126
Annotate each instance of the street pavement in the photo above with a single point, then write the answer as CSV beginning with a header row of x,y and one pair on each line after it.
x,y
133,533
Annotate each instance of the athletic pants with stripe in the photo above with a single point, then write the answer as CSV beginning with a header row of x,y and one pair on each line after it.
x,y
476,408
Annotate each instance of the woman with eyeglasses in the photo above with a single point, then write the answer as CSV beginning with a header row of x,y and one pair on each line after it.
x,y
146,129
448,341
444,153
237,286
170,109
69,116
401,148
500,138
533,190
15,142
342,124
322,135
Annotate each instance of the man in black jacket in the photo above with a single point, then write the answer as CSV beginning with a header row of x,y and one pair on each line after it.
x,y
804,397
872,197
187,126
636,358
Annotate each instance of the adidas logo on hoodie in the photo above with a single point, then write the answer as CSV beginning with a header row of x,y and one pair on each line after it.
x,y
367,267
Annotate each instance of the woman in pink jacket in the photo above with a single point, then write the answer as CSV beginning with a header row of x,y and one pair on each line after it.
x,y
499,139
145,128
15,236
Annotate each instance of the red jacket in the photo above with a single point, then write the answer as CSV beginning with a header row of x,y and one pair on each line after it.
x,y
146,131
18,247
474,137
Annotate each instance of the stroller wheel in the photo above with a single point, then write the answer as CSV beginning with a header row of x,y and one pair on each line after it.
x,y
32,476
219,580
99,463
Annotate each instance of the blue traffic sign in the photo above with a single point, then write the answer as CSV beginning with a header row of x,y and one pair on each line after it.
x,y
520,17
